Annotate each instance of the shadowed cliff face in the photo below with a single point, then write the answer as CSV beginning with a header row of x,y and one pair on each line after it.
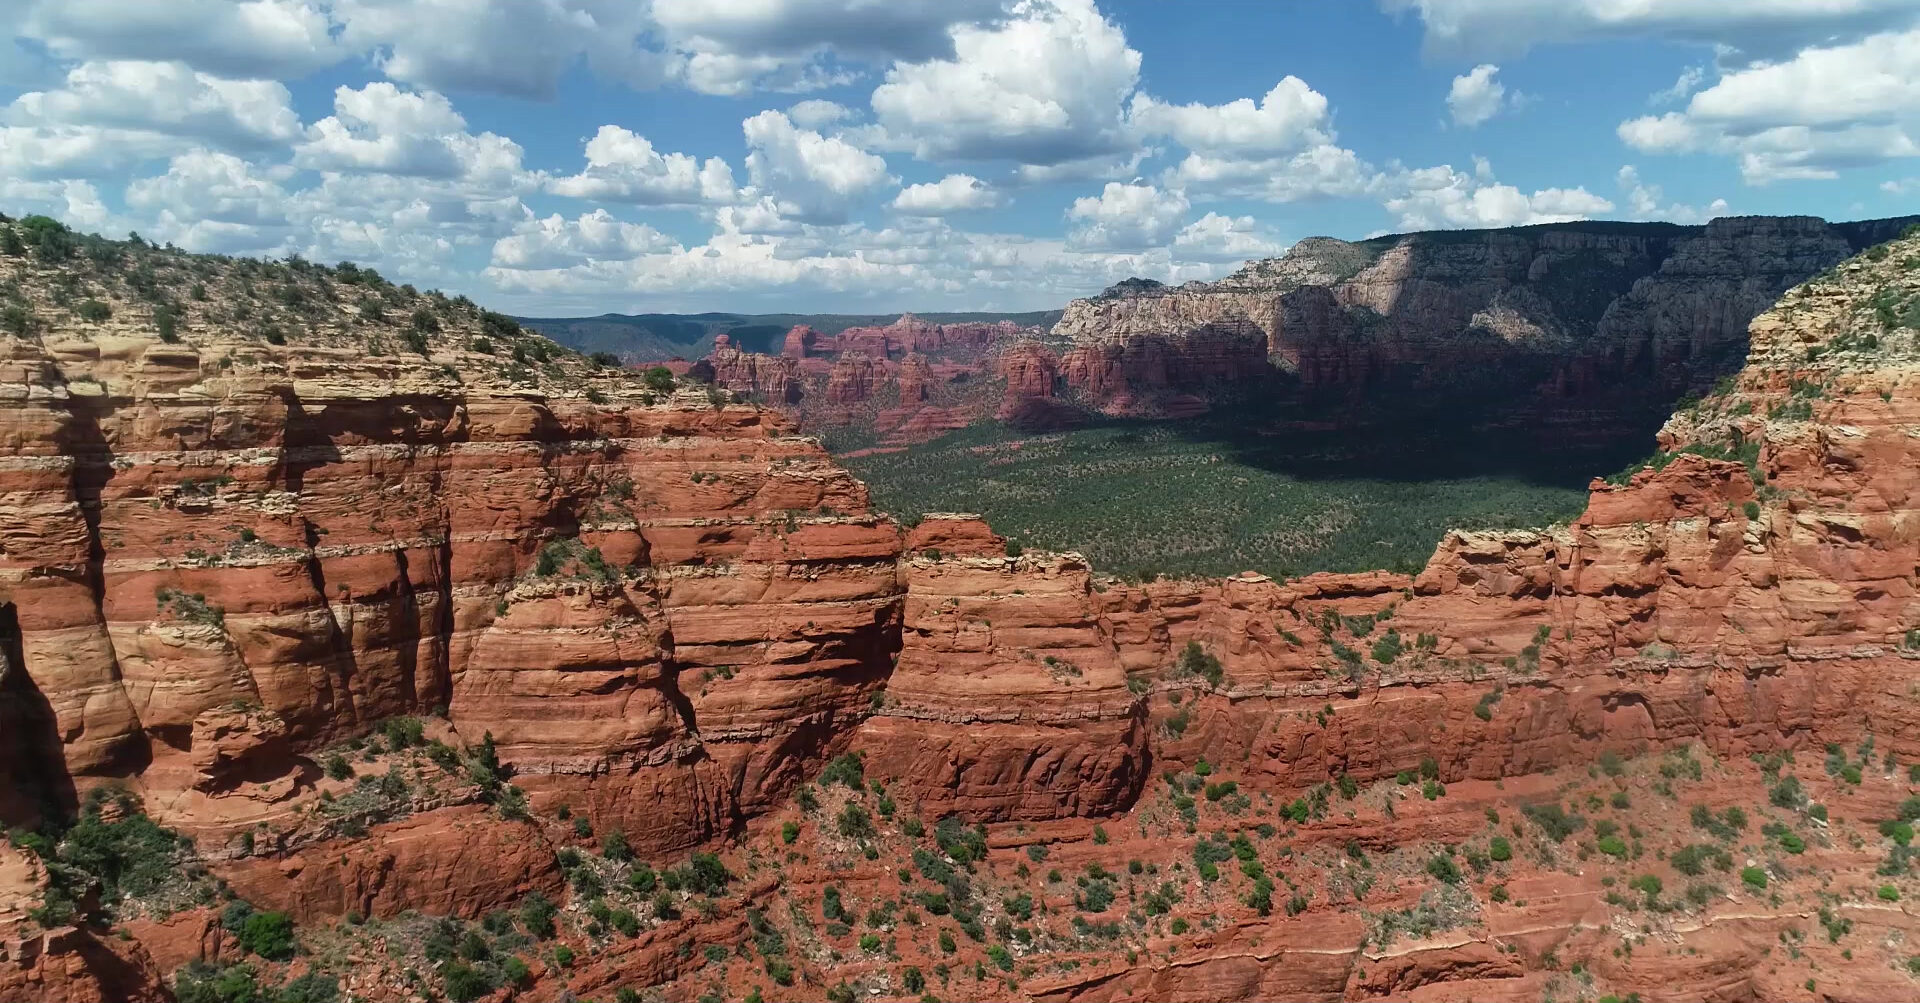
x,y
1595,324
667,614
1582,333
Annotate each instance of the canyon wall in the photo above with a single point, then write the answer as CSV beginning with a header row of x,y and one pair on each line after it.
x,y
668,609
324,539
1586,331
222,556
903,382
1557,311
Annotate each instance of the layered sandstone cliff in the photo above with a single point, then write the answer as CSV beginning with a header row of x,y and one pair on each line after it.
x,y
904,382
1562,310
1588,331
225,558
345,529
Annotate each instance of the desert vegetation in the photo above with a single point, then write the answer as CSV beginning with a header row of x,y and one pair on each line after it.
x,y
1198,499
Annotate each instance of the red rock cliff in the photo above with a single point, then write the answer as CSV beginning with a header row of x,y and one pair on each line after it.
x,y
222,555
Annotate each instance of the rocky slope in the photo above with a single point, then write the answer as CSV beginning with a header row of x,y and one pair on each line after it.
x,y
563,605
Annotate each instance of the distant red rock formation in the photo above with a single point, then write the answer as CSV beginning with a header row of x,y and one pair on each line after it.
x,y
772,379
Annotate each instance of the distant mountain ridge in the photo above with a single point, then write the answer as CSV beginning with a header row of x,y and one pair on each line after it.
x,y
650,337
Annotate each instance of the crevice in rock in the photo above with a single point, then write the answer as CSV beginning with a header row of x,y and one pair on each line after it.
x,y
81,438
34,783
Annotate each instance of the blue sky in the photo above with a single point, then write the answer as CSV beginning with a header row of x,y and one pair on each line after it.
x,y
587,156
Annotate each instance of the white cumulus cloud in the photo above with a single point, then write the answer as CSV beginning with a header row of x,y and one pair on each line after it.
x,y
953,193
817,114
1323,171
1125,217
1761,28
384,129
1825,109
1214,237
1644,201
1476,96
1435,198
168,98
248,38
556,242
216,202
1045,86
1289,117
623,166
811,177
514,47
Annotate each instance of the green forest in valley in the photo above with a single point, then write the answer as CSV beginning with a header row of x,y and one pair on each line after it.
x,y
1204,498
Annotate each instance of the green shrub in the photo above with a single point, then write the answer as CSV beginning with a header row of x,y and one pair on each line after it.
x,y
1554,820
129,857
310,987
465,982
1753,877
536,915
200,982
1195,661
1693,860
269,935
854,822
16,319
847,770
167,323
1499,849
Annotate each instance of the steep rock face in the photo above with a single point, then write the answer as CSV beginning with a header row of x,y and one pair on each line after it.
x,y
903,382
851,381
1586,331
739,610
1150,372
1030,371
1750,603
668,613
221,553
915,379
909,335
800,342
774,379
1557,310
70,965
428,863
1008,701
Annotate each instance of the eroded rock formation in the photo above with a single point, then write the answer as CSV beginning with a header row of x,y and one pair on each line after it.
x,y
1584,331
1545,312
226,558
